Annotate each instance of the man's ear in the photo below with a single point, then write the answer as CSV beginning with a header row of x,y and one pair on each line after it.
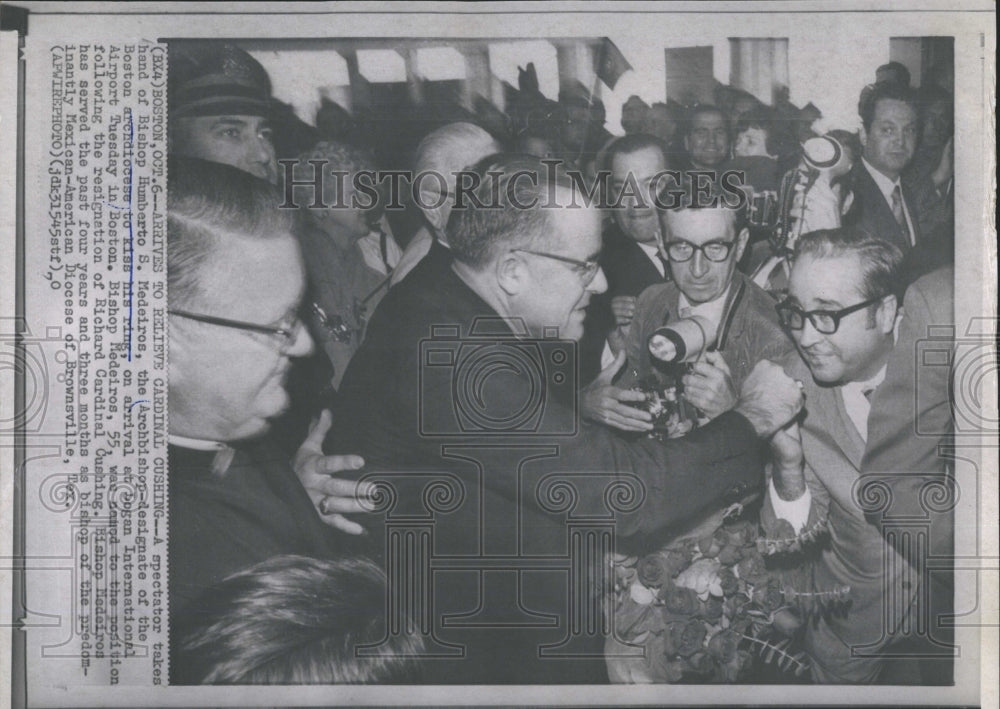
x,y
863,137
741,242
511,273
886,314
434,209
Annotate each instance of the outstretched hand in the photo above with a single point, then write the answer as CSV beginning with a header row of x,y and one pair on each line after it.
x,y
603,402
333,497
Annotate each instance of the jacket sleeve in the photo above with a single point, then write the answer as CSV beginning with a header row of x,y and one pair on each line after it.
x,y
647,485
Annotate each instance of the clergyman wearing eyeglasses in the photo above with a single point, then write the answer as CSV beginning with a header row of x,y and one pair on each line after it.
x,y
235,282
497,386
702,245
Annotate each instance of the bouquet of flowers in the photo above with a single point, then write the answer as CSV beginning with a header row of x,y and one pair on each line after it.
x,y
708,608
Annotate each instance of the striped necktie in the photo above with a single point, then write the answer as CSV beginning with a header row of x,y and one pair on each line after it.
x,y
900,214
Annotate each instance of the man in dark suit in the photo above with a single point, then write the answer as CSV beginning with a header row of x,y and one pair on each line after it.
x,y
447,380
842,311
883,206
630,258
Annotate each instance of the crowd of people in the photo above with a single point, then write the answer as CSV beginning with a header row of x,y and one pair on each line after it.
x,y
321,337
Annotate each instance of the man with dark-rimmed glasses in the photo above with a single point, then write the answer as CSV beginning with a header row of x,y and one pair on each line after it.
x,y
842,311
702,245
235,279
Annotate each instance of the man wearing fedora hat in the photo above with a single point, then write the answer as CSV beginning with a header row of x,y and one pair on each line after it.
x,y
220,107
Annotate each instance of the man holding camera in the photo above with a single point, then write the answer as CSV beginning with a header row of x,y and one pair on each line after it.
x,y
522,276
842,311
703,245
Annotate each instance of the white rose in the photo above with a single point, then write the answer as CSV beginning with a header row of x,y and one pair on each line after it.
x,y
641,595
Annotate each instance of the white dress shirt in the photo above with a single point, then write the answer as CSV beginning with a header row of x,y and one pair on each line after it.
x,y
855,396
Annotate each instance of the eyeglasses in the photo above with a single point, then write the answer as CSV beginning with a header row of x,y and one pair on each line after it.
x,y
826,322
586,269
286,331
715,251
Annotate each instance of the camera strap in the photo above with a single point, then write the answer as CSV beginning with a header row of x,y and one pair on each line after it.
x,y
728,315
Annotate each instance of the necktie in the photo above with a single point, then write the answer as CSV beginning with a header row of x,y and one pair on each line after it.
x,y
900,214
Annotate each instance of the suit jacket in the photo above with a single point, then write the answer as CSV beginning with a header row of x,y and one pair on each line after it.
x,y
882,585
629,272
872,213
910,428
909,436
221,524
404,407
754,333
626,266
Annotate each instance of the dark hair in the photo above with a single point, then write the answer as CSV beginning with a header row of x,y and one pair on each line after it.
x,y
506,209
881,262
883,91
633,143
685,197
296,620
701,109
763,118
206,203
900,69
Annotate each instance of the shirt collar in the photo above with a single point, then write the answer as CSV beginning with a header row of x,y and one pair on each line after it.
x,y
885,185
712,310
868,384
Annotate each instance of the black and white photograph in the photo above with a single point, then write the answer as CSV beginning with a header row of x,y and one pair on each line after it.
x,y
498,353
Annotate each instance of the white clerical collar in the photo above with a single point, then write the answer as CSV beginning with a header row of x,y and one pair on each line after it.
x,y
224,453
195,443
712,310
885,185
